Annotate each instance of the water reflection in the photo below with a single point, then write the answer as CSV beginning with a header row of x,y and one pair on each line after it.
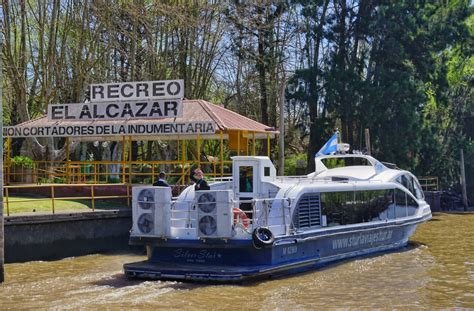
x,y
435,270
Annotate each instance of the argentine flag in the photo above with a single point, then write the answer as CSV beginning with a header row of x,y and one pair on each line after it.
x,y
329,147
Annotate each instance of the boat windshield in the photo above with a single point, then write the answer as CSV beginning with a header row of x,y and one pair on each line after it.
x,y
346,161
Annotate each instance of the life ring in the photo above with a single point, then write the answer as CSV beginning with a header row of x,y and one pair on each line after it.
x,y
262,237
240,217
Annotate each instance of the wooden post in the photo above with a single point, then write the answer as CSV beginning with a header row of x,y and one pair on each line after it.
x,y
2,254
130,156
68,166
281,149
268,145
8,158
463,182
222,152
52,198
198,149
123,159
183,159
92,198
367,141
247,145
253,143
238,142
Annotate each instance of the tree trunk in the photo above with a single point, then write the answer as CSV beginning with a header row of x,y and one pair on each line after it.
x,y
314,128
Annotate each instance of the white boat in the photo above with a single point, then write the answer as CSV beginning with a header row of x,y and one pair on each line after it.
x,y
259,225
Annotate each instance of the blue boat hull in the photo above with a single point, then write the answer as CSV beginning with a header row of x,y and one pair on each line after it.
x,y
240,260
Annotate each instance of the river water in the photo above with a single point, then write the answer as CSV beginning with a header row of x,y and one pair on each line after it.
x,y
436,270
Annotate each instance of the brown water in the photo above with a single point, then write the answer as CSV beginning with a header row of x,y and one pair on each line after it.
x,y
435,271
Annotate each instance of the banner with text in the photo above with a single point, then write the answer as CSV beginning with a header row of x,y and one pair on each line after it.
x,y
144,109
110,129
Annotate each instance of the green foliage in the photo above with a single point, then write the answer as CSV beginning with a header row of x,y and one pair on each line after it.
x,y
59,180
114,180
22,161
293,164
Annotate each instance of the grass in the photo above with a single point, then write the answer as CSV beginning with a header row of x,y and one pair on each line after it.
x,y
19,204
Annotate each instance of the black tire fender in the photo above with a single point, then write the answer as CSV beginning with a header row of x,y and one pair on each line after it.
x,y
262,237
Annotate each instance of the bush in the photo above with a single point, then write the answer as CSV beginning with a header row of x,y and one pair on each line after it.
x,y
59,180
22,161
295,164
114,180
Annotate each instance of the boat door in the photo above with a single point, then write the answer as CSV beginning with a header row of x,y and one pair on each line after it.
x,y
245,184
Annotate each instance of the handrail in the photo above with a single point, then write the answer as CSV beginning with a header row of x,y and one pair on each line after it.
x,y
429,183
76,172
54,197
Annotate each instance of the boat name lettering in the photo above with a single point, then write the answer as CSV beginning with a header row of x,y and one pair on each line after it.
x,y
361,239
290,250
202,254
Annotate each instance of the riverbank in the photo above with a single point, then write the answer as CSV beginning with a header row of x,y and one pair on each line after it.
x,y
34,236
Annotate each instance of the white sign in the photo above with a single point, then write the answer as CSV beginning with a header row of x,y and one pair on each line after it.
x,y
136,90
151,109
110,129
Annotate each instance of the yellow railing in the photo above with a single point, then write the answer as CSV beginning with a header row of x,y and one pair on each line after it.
x,y
429,183
77,172
54,197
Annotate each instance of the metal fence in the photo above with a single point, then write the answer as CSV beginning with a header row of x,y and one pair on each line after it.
x,y
429,183
134,172
53,194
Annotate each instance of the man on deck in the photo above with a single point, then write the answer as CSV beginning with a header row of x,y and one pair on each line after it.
x,y
161,182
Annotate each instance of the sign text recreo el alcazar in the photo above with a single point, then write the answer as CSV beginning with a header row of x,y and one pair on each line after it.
x,y
165,89
143,109
127,100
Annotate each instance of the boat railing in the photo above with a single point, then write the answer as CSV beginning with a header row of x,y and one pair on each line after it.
x,y
247,214
216,179
321,180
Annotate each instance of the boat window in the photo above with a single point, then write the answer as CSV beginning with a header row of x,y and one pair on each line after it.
x,y
342,162
404,205
411,184
351,207
400,205
418,191
405,181
266,171
411,206
411,202
246,179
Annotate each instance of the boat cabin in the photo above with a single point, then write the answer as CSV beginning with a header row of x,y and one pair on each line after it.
x,y
255,197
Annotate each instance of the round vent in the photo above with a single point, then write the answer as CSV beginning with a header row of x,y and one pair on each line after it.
x,y
207,225
145,198
207,202
145,223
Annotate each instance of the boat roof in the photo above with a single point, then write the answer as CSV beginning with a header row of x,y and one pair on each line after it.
x,y
352,172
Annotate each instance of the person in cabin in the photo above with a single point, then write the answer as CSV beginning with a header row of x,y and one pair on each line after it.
x,y
246,183
161,182
198,177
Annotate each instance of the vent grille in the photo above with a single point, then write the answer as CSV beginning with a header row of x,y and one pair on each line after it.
x,y
308,212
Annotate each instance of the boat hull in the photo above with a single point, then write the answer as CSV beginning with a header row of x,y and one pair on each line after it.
x,y
241,260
